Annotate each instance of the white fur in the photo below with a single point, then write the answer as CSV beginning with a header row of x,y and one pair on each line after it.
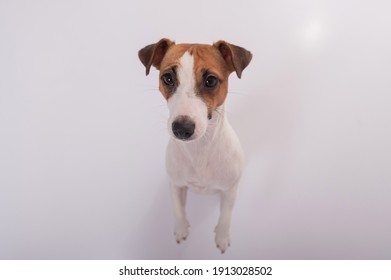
x,y
210,163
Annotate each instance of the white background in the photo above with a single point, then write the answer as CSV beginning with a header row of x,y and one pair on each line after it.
x,y
83,130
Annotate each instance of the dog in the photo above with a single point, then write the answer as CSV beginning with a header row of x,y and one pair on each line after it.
x,y
203,153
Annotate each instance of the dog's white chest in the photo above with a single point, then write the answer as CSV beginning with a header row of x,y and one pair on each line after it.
x,y
203,179
206,167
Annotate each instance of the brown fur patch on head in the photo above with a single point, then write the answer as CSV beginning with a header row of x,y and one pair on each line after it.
x,y
207,61
213,61
170,64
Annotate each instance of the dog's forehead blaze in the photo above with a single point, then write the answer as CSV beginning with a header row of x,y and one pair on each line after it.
x,y
205,58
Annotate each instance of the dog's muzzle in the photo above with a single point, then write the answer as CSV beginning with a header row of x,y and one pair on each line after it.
x,y
183,128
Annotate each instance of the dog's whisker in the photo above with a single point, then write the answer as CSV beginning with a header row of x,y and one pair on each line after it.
x,y
150,90
239,94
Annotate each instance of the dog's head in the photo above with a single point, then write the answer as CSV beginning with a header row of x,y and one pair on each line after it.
x,y
193,80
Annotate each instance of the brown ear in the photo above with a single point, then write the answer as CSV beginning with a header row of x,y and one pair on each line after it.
x,y
153,54
237,58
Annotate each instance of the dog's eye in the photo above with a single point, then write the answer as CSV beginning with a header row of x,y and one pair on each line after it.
x,y
211,81
168,80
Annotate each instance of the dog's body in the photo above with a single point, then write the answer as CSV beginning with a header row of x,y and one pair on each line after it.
x,y
204,153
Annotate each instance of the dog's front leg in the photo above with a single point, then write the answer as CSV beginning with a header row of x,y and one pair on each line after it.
x,y
223,228
181,229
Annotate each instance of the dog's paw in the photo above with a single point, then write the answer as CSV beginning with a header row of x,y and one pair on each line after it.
x,y
222,238
181,231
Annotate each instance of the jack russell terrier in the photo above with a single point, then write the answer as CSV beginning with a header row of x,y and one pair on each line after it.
x,y
203,153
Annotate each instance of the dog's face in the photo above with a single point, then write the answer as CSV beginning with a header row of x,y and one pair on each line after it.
x,y
193,80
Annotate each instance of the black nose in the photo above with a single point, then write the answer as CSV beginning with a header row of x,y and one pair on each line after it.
x,y
183,128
